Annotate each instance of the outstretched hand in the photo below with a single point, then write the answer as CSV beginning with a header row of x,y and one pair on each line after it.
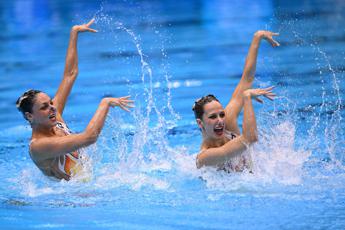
x,y
85,27
123,102
268,36
255,93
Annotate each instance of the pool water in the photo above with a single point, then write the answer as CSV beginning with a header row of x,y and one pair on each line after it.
x,y
141,173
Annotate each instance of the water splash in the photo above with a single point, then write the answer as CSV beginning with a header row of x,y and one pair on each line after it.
x,y
138,155
143,154
331,128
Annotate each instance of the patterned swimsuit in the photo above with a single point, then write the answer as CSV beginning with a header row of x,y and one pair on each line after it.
x,y
68,164
237,163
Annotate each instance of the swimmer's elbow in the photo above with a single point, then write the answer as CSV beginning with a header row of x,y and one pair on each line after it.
x,y
249,140
199,163
72,72
90,137
254,139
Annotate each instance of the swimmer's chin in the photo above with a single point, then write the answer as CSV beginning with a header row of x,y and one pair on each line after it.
x,y
53,121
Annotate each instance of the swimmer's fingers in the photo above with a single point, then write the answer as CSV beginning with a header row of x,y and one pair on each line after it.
x,y
267,92
123,107
273,42
126,98
267,35
92,30
85,27
270,96
90,22
88,26
129,101
258,100
269,88
127,104
130,105
123,102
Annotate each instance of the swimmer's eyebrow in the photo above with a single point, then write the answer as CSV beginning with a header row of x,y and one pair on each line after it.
x,y
221,111
44,104
211,114
48,101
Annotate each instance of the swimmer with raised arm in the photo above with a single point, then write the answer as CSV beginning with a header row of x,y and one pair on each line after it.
x,y
223,146
53,148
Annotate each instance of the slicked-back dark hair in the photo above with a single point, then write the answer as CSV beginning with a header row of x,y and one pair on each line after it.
x,y
198,107
26,101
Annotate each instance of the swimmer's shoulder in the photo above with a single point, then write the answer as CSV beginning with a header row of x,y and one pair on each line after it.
x,y
34,148
199,155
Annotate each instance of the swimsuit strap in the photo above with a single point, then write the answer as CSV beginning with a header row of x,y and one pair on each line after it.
x,y
70,162
63,127
230,135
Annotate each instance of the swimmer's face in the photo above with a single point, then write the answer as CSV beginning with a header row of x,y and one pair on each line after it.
x,y
212,123
43,111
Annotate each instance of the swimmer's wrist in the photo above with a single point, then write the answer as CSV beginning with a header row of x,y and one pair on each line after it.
x,y
105,102
109,102
245,143
259,34
75,29
246,95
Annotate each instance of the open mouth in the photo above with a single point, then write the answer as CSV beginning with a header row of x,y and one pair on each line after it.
x,y
52,116
219,130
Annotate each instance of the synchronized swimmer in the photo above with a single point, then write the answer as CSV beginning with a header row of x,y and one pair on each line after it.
x,y
223,146
56,150
53,147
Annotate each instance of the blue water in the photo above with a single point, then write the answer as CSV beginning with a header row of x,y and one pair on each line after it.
x,y
141,172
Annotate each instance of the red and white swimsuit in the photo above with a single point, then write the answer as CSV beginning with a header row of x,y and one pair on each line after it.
x,y
67,164
70,162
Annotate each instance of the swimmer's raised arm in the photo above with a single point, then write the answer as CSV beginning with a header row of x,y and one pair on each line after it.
x,y
235,105
71,66
219,155
96,124
250,63
50,147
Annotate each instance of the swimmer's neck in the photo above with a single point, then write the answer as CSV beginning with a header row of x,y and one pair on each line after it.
x,y
40,131
213,143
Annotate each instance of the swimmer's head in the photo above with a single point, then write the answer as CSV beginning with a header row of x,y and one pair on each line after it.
x,y
25,102
210,117
38,108
198,107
